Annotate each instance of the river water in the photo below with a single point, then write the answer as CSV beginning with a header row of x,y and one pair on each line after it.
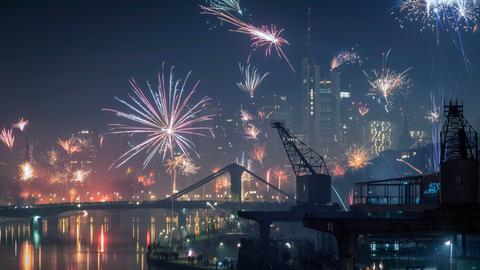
x,y
95,240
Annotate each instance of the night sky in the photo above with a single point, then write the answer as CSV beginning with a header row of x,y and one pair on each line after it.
x,y
62,61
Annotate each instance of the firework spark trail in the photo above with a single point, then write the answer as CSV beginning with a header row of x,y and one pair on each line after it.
x,y
7,138
357,157
387,82
344,58
166,122
252,79
410,165
280,175
339,198
70,145
434,117
363,110
263,36
26,171
258,152
21,124
251,132
227,6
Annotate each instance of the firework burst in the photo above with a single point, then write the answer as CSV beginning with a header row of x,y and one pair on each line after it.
x,y
21,124
167,121
363,110
70,145
258,152
280,175
451,15
26,171
245,116
7,138
251,132
433,116
252,79
357,157
267,37
386,82
52,157
79,176
344,58
146,180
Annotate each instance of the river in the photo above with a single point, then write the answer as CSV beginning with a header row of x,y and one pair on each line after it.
x,y
94,240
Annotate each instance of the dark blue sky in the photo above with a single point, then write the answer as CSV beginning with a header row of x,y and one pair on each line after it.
x,y
62,61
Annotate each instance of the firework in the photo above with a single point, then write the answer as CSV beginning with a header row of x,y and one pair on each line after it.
x,y
337,169
433,116
251,132
258,152
252,79
387,82
280,175
7,138
410,165
146,180
222,183
363,110
26,171
245,116
263,36
227,6
166,123
70,146
455,15
21,124
52,157
189,167
180,164
344,58
79,176
357,157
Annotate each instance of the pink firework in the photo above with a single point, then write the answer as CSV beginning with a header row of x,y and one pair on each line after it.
x,y
21,124
7,138
263,36
245,116
258,152
363,110
251,132
167,120
146,180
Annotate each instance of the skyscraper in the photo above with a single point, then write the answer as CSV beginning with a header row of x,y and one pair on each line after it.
x,y
310,85
321,97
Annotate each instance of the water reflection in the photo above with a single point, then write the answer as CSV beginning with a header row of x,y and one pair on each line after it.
x,y
99,240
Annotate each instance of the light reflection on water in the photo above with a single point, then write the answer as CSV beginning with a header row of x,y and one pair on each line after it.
x,y
99,240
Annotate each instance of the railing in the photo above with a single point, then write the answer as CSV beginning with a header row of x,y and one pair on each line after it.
x,y
399,191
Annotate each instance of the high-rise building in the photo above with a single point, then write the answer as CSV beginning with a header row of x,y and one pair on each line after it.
x,y
321,97
310,86
328,117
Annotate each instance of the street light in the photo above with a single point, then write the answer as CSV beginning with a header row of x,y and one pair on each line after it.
x,y
449,243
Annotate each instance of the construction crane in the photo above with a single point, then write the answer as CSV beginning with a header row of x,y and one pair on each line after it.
x,y
313,179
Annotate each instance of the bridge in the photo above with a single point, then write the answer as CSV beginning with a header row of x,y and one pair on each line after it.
x,y
176,202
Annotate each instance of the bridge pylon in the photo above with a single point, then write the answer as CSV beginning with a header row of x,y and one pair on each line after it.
x,y
236,172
